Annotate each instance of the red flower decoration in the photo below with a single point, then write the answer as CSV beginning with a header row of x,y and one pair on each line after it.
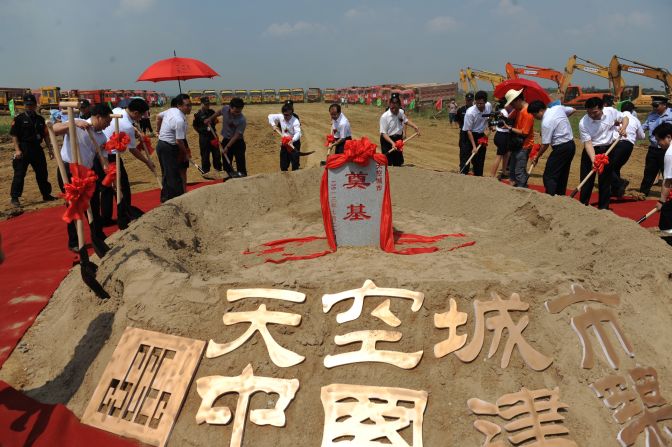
x,y
483,141
110,174
78,192
286,141
118,142
214,142
601,160
330,140
148,144
535,151
359,151
399,145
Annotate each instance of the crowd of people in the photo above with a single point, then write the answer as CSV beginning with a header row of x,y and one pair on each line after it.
x,y
512,121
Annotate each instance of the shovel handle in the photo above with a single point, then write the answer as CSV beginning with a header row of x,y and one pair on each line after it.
x,y
394,148
473,154
647,215
592,171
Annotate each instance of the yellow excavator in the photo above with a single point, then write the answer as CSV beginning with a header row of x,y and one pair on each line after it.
x,y
573,95
635,93
473,74
463,81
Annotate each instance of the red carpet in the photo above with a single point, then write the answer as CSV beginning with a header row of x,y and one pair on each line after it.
x,y
36,262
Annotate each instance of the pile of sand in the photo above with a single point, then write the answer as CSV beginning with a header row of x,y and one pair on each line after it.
x,y
170,270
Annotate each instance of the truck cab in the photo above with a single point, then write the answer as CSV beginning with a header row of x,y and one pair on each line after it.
x,y
195,96
284,94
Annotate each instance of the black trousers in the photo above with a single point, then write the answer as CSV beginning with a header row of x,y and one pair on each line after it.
x,y
33,155
96,224
617,159
236,155
556,174
478,161
107,195
341,147
208,149
145,125
395,158
666,216
655,158
171,180
293,157
603,180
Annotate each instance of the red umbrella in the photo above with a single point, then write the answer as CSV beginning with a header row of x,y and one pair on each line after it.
x,y
177,69
531,90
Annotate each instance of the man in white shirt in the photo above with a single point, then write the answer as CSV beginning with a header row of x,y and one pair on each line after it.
x,y
289,125
88,157
172,149
392,128
340,128
131,114
599,128
621,153
474,127
556,132
663,135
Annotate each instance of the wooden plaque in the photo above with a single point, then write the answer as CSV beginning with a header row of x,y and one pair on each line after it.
x,y
144,385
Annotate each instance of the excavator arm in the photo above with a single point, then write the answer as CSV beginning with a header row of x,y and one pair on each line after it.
x,y
489,76
463,81
586,66
616,68
514,71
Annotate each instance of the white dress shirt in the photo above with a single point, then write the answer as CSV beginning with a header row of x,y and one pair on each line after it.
x,y
474,119
173,126
341,127
555,126
291,127
634,131
87,150
392,124
600,132
125,125
667,170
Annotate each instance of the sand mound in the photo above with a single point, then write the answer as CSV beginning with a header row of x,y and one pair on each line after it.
x,y
169,273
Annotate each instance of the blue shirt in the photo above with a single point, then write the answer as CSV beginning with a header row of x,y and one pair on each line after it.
x,y
654,120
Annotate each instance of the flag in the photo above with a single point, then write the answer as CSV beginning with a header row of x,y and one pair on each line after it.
x,y
109,104
361,100
11,108
379,102
411,106
439,104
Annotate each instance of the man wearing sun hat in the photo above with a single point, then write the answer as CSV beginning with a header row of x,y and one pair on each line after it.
x,y
521,138
655,156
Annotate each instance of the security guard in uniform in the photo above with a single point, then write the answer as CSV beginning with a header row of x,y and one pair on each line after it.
x,y
28,131
205,137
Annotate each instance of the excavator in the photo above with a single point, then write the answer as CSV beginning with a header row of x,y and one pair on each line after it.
x,y
635,93
572,95
473,74
514,71
463,81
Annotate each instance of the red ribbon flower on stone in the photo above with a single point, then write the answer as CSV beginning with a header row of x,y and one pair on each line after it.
x,y
330,140
118,142
78,192
483,141
399,145
601,160
148,144
286,141
110,174
535,151
359,151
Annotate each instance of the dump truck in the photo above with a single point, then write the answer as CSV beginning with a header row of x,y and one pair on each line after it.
x,y
211,95
195,96
242,94
284,94
50,96
298,95
314,94
256,97
8,93
269,96
426,95
226,96
330,96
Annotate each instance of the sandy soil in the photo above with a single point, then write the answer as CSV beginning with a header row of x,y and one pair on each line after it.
x,y
169,272
436,149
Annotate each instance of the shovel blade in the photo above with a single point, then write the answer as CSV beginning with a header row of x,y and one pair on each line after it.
x,y
88,271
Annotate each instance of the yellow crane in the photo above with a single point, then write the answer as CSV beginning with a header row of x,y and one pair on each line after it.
x,y
634,93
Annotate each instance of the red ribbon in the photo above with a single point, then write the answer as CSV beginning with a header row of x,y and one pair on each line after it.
x,y
330,140
214,142
601,160
110,174
118,142
483,141
359,151
535,150
148,144
78,192
399,144
286,141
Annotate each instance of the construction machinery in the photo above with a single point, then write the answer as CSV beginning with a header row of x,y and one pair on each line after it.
x,y
472,74
313,94
463,81
195,96
211,95
242,94
226,96
50,96
284,94
269,96
635,93
573,95
256,97
7,94
298,95
330,96
514,71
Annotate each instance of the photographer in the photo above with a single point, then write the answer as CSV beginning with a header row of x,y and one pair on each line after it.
x,y
501,139
521,138
556,131
475,122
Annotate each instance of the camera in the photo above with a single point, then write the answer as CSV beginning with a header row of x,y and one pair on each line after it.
x,y
497,119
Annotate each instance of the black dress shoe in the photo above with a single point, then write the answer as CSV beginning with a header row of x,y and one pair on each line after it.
x,y
15,203
109,222
48,198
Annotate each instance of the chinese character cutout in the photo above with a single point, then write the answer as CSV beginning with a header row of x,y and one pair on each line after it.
x,y
370,416
450,320
595,319
356,212
534,417
259,319
356,180
369,338
497,324
212,387
640,406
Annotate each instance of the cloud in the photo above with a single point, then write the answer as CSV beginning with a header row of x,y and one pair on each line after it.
x,y
442,24
286,29
358,13
509,7
135,6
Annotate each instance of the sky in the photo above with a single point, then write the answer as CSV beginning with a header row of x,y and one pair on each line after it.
x,y
300,43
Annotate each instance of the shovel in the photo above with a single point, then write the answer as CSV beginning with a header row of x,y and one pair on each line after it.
x,y
647,215
232,174
473,154
86,267
592,172
394,148
301,154
122,215
146,152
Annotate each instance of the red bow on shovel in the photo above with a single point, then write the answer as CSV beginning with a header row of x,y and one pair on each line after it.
x,y
110,174
287,143
330,140
118,142
78,192
601,160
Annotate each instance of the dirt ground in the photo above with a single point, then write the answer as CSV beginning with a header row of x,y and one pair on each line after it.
x,y
436,149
